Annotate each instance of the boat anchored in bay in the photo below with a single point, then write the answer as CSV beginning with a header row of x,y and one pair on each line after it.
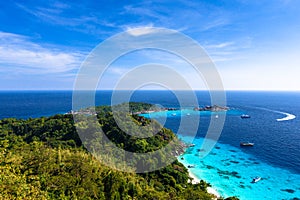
x,y
247,144
245,116
256,179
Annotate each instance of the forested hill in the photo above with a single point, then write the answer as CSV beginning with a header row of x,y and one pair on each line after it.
x,y
44,158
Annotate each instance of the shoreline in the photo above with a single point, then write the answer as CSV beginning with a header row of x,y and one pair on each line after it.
x,y
196,180
210,190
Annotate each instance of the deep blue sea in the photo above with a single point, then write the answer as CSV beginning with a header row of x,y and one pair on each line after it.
x,y
229,168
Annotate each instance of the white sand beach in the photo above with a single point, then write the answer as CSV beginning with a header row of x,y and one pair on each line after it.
x,y
209,189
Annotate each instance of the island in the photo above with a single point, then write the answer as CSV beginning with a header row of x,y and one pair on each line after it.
x,y
152,109
44,158
214,108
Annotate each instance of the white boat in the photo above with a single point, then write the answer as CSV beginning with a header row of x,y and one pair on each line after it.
x,y
247,144
256,179
245,116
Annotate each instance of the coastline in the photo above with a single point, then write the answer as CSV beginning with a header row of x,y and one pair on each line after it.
x,y
196,180
210,190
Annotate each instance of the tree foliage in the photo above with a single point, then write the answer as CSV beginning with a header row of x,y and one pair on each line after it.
x,y
44,158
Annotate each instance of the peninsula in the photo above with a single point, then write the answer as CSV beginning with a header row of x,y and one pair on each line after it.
x,y
44,158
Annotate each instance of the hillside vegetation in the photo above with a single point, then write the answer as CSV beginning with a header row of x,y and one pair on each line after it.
x,y
44,158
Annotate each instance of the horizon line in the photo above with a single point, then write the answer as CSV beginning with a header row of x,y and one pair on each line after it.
x,y
225,90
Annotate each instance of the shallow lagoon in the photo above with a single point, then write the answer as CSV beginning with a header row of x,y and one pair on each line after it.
x,y
230,171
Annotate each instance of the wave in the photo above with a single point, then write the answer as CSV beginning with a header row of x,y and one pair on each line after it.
x,y
288,116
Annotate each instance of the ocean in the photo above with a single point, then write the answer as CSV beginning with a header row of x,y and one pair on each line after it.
x,y
274,128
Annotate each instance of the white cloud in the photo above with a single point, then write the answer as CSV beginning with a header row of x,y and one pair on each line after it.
x,y
56,14
229,50
141,30
143,10
216,23
117,70
53,15
220,45
19,51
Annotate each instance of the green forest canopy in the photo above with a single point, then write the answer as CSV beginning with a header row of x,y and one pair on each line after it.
x,y
43,158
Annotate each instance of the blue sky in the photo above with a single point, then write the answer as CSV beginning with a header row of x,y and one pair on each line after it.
x,y
255,45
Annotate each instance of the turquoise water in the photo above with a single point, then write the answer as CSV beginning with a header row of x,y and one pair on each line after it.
x,y
229,168
230,171
187,112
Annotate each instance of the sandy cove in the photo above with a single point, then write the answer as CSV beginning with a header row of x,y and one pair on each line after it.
x,y
209,189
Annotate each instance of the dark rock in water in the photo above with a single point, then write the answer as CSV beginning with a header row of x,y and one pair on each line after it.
x,y
209,167
234,173
233,161
232,150
256,163
201,150
218,147
288,190
188,151
248,186
213,154
227,173
224,160
242,186
295,198
214,108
